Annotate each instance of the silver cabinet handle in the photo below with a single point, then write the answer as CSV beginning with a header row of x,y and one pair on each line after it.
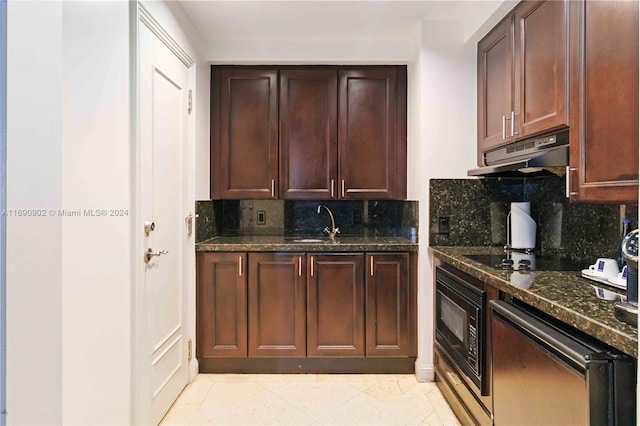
x,y
149,254
371,264
569,193
504,127
513,123
240,265
567,181
311,265
299,266
454,378
342,188
273,187
333,184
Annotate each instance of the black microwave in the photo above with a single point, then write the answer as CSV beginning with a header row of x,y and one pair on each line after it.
x,y
460,324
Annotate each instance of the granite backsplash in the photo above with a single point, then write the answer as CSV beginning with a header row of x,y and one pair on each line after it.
x,y
477,211
293,217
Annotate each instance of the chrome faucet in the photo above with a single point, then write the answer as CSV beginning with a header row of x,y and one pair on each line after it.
x,y
331,233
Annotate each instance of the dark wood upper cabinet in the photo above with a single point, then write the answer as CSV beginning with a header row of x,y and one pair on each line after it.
x,y
308,133
604,101
541,69
221,304
371,133
244,133
390,307
277,305
335,310
495,87
522,75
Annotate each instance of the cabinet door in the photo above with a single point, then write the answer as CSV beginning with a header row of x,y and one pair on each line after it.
x,y
541,49
244,135
221,305
367,133
335,305
495,87
308,133
389,311
277,305
604,101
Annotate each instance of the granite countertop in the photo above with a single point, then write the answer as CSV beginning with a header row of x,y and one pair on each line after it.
x,y
291,243
562,294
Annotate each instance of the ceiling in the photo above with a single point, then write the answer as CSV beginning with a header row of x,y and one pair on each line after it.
x,y
329,20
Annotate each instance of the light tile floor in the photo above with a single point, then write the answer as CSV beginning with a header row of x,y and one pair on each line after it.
x,y
310,399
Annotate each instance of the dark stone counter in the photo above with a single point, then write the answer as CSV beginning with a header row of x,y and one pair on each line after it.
x,y
563,295
293,244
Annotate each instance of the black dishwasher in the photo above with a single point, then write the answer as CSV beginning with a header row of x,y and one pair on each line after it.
x,y
547,373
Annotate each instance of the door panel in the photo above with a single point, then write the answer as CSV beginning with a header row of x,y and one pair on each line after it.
x,y
541,48
495,87
308,133
604,101
367,135
388,310
245,140
335,309
221,323
277,305
163,125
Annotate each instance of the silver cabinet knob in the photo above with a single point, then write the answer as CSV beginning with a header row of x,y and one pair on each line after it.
x,y
150,253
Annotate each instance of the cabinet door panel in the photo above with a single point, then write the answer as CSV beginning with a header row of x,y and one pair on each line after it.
x,y
604,101
541,50
495,87
247,158
277,305
308,133
388,305
221,317
367,138
335,307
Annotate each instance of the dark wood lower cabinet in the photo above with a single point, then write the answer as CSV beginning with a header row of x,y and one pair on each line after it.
x,y
390,310
277,305
221,304
335,308
265,312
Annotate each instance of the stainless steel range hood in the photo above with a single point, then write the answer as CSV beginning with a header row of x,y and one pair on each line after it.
x,y
533,157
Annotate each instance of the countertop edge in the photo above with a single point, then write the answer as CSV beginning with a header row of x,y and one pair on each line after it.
x,y
349,244
618,339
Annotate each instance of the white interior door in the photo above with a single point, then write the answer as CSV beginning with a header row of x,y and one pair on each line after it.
x,y
163,122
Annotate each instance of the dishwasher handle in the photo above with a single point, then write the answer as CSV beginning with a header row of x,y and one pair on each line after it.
x,y
554,339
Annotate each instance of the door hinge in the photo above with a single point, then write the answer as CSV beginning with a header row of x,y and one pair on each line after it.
x,y
189,350
190,102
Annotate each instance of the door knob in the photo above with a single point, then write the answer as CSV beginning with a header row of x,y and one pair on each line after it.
x,y
150,253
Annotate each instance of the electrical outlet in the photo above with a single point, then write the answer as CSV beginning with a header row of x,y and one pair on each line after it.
x,y
262,217
443,225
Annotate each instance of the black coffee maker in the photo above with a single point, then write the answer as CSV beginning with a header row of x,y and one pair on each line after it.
x,y
628,311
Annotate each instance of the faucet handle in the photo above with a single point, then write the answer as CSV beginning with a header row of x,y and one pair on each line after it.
x,y
336,231
326,230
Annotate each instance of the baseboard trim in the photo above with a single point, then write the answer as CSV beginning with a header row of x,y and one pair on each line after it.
x,y
425,373
308,365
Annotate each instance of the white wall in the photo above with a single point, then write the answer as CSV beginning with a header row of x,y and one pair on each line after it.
x,y
447,125
68,278
34,181
96,174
